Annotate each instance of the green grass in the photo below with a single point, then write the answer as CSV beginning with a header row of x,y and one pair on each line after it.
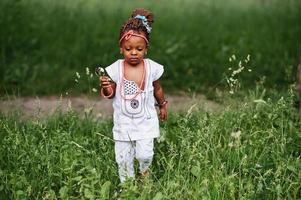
x,y
43,43
250,150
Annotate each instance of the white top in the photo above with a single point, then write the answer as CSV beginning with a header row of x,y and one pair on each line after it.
x,y
135,116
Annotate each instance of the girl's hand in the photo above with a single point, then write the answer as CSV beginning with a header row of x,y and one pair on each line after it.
x,y
107,87
105,82
163,113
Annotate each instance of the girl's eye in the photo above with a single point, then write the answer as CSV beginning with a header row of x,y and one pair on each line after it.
x,y
140,49
127,49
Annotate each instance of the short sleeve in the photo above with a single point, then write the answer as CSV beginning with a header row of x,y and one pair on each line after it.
x,y
158,71
112,71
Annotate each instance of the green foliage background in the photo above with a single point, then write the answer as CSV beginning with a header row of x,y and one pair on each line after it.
x,y
43,43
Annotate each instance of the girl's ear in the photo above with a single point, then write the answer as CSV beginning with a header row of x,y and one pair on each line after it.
x,y
120,48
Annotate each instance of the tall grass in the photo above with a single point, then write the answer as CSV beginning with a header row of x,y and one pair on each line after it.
x,y
250,150
43,43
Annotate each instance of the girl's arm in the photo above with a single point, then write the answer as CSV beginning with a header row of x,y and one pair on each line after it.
x,y
159,96
108,88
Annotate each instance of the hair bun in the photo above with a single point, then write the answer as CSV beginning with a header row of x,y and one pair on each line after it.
x,y
148,15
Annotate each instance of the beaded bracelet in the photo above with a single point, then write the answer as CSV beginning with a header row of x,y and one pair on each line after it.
x,y
106,96
160,105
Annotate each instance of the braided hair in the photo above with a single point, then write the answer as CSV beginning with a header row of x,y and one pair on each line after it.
x,y
136,24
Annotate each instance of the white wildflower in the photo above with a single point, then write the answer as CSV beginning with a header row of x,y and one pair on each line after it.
x,y
77,75
69,105
237,71
260,101
233,57
76,81
100,71
236,134
87,71
258,165
231,79
249,70
88,110
94,90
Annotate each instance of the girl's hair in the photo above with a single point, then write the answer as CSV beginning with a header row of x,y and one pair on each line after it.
x,y
136,24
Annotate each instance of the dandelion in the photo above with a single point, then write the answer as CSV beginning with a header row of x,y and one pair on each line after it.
x,y
94,90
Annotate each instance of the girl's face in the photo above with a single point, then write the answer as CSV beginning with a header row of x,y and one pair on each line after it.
x,y
133,50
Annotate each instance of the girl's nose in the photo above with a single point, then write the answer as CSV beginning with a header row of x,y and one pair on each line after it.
x,y
134,52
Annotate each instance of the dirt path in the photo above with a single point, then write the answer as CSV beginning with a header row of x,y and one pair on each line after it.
x,y
40,107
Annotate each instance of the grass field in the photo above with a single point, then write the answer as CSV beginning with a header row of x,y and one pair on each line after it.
x,y
250,150
43,43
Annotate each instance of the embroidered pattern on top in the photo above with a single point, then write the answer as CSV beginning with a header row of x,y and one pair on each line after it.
x,y
134,103
130,87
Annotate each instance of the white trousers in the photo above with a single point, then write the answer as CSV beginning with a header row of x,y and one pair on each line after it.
x,y
126,151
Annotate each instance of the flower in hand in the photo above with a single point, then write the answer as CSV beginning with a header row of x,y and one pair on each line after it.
x,y
105,81
99,71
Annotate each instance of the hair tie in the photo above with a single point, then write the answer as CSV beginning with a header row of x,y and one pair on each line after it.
x,y
131,33
144,22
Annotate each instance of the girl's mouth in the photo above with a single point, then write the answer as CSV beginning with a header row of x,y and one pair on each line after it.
x,y
134,59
